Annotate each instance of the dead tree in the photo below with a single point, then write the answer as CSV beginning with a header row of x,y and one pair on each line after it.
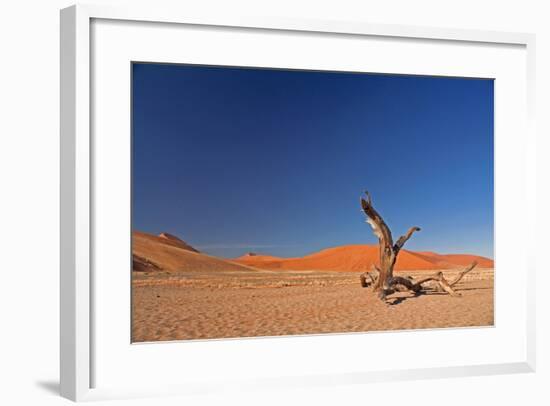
x,y
381,278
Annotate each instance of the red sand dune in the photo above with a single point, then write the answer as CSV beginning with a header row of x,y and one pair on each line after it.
x,y
173,240
168,253
253,257
464,259
361,258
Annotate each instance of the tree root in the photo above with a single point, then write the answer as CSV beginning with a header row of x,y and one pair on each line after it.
x,y
370,278
401,283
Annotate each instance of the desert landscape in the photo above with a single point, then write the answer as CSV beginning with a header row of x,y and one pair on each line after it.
x,y
180,293
251,188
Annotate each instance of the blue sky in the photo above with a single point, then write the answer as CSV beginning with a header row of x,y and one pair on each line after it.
x,y
274,161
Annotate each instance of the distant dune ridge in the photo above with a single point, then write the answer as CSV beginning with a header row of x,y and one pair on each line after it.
x,y
169,253
166,252
175,241
361,258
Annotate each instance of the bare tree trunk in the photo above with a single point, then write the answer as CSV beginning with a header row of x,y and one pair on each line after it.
x,y
381,278
388,250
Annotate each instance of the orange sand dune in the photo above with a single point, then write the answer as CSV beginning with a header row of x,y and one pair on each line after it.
x,y
464,259
173,240
166,252
361,258
457,259
253,257
164,239
169,253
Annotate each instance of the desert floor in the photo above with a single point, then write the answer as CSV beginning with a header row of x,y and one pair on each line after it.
x,y
195,305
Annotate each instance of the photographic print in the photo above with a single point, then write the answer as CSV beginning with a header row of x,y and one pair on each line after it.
x,y
276,202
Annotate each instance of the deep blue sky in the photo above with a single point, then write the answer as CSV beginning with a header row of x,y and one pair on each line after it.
x,y
273,161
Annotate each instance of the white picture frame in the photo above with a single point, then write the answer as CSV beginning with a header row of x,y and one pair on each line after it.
x,y
77,283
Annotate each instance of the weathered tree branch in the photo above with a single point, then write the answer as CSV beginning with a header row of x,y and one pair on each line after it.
x,y
439,278
388,251
447,288
403,239
381,278
379,227
407,283
461,274
370,278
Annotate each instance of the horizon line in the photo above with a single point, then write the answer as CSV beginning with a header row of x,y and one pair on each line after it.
x,y
243,246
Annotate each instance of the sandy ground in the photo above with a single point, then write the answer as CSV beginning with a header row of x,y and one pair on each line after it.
x,y
195,305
